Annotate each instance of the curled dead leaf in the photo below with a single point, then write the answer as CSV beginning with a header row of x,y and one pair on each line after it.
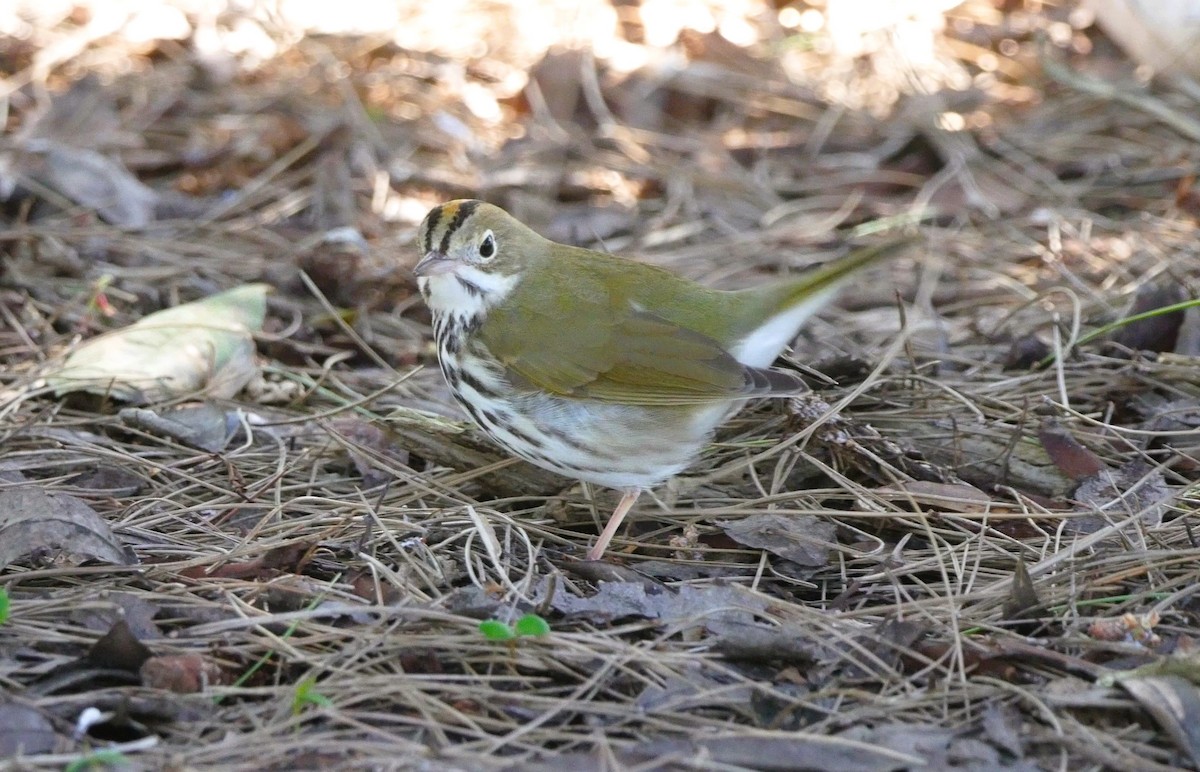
x,y
206,346
181,673
33,521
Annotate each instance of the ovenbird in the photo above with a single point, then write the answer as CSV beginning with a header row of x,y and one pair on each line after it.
x,y
598,367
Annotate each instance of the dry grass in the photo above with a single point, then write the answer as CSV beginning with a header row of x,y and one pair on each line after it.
x,y
314,546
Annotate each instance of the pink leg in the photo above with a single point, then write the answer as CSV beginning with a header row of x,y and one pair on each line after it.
x,y
614,522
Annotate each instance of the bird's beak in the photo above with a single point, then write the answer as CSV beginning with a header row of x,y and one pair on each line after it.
x,y
434,263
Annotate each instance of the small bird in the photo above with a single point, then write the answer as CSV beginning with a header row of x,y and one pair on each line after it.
x,y
597,367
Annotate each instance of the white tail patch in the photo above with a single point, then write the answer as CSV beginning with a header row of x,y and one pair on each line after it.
x,y
768,340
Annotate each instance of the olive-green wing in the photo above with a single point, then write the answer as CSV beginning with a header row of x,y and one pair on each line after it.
x,y
598,345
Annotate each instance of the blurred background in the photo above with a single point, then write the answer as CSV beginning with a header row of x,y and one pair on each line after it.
x,y
714,136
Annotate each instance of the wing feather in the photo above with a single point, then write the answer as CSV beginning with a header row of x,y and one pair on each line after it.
x,y
624,354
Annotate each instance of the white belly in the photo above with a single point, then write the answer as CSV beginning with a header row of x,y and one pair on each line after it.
x,y
618,446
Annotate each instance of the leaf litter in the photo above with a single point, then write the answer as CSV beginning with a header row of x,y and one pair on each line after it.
x,y
54,527
974,550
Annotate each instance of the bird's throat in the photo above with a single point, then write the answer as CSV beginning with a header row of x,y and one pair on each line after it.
x,y
465,291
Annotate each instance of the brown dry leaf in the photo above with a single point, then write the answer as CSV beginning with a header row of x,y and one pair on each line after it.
x,y
24,731
288,558
1026,352
118,649
63,150
33,521
90,179
696,690
1003,727
84,115
983,659
1188,342
367,586
366,441
555,88
596,571
624,600
288,593
751,642
205,426
937,747
802,539
1156,333
1174,702
339,265
181,673
1022,597
109,480
1132,487
893,641
1068,454
136,611
1168,413
1128,628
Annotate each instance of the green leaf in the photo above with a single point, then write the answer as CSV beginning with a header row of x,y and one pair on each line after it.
x,y
1106,329
532,625
267,656
306,694
4,605
206,346
96,760
495,630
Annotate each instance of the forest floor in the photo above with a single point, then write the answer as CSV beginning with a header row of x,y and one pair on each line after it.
x,y
970,547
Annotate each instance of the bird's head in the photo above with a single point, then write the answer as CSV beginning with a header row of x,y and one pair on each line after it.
x,y
473,255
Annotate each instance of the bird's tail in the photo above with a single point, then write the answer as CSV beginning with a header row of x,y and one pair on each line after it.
x,y
787,305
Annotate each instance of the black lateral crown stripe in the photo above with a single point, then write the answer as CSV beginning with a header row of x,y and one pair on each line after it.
x,y
464,211
431,221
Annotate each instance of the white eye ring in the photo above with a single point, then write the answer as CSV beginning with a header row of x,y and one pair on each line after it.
x,y
487,246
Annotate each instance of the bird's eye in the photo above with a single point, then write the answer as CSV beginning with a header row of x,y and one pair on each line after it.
x,y
487,247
